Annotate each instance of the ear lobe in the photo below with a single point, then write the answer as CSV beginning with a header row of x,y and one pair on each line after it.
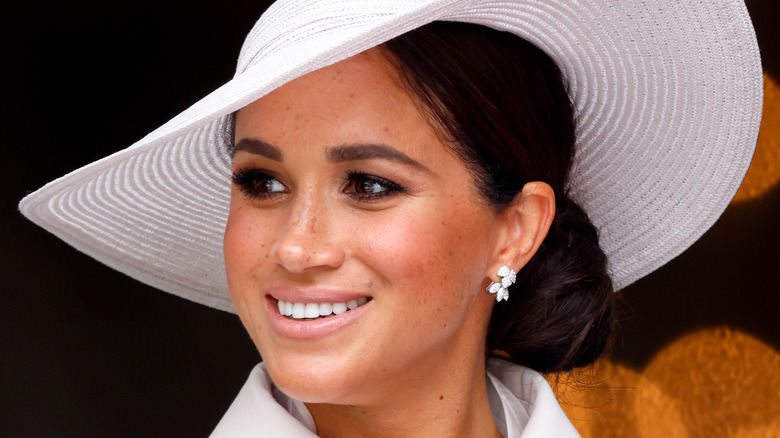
x,y
526,223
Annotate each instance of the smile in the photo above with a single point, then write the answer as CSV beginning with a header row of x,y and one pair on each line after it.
x,y
311,311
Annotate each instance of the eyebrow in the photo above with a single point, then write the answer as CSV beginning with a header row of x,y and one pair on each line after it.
x,y
357,152
336,154
258,147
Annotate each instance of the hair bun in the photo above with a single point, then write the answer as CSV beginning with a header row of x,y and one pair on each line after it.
x,y
560,314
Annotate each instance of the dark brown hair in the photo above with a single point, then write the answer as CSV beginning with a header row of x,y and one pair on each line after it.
x,y
502,104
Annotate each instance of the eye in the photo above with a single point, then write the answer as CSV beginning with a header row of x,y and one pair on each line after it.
x,y
365,187
258,184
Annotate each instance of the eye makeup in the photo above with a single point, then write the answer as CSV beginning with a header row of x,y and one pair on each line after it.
x,y
362,186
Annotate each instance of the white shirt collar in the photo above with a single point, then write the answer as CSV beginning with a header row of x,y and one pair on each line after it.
x,y
522,403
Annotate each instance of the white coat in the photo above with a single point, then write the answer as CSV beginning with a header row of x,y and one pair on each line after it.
x,y
522,402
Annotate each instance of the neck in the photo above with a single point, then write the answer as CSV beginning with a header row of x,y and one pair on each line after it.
x,y
442,401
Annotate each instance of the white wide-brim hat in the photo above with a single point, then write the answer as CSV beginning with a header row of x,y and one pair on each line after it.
x,y
667,95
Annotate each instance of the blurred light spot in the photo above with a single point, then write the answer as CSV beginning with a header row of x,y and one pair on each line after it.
x,y
712,383
721,379
764,171
771,430
599,400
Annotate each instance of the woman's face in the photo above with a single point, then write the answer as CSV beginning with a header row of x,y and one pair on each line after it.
x,y
343,193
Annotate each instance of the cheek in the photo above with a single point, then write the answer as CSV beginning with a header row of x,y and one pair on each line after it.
x,y
244,246
235,247
430,253
245,250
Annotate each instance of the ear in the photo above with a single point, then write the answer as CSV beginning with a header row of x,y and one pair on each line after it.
x,y
525,225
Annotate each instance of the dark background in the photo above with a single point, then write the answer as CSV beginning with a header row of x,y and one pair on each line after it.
x,y
86,351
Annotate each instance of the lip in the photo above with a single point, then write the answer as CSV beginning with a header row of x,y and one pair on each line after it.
x,y
318,295
316,328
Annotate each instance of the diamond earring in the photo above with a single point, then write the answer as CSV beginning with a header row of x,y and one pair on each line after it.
x,y
508,278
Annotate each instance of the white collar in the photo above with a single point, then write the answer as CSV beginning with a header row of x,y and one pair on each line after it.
x,y
522,402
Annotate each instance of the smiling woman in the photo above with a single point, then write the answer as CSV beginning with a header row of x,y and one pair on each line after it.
x,y
413,216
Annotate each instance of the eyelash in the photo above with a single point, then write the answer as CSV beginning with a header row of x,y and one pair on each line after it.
x,y
390,187
254,184
249,181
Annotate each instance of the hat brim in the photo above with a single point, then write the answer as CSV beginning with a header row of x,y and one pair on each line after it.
x,y
667,96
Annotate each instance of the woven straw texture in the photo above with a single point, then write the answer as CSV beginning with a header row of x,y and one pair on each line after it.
x,y
667,94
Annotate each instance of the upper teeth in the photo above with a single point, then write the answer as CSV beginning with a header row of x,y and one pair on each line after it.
x,y
315,310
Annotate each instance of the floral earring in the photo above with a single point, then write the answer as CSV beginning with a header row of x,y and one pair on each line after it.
x,y
508,278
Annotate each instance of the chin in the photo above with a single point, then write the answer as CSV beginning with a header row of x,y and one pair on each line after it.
x,y
316,387
313,379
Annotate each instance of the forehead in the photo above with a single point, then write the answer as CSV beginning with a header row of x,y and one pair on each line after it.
x,y
366,81
357,100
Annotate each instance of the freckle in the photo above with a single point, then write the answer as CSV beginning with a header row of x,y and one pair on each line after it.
x,y
288,108
441,397
450,253
386,129
443,223
352,95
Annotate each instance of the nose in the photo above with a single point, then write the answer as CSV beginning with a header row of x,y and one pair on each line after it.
x,y
307,241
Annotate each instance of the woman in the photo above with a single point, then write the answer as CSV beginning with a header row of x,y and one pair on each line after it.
x,y
384,179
